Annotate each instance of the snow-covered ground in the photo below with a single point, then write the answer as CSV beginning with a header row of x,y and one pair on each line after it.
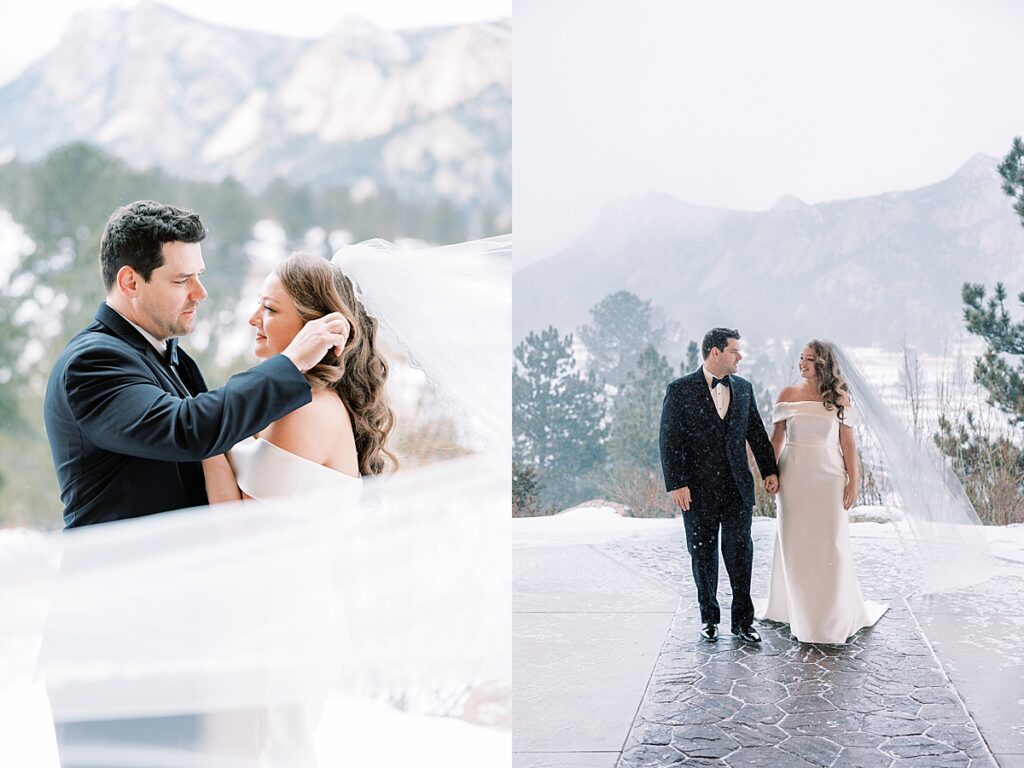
x,y
597,525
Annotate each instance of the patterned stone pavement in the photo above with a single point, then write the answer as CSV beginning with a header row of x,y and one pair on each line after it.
x,y
883,700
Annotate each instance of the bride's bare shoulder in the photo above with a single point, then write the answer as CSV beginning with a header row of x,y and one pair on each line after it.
x,y
309,431
788,395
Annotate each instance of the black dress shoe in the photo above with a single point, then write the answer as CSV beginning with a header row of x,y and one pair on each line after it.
x,y
747,634
709,632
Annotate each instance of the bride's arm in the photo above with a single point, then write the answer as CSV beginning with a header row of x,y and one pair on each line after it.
x,y
220,480
778,438
779,428
849,448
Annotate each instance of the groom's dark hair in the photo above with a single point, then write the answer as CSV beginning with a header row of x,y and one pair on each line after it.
x,y
717,338
136,232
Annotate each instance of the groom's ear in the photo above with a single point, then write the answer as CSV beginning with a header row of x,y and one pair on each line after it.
x,y
127,281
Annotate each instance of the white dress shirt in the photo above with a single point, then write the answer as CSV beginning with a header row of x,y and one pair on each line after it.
x,y
720,395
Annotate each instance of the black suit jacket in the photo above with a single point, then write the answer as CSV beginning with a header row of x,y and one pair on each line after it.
x,y
701,451
127,440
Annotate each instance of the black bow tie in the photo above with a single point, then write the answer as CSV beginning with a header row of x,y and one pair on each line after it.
x,y
171,354
724,381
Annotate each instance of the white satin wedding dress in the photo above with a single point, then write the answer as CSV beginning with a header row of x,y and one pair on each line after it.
x,y
264,471
814,586
281,736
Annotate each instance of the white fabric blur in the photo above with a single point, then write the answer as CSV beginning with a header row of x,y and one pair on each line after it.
x,y
208,637
814,586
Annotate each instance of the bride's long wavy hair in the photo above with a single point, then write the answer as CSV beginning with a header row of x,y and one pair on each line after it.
x,y
830,378
358,375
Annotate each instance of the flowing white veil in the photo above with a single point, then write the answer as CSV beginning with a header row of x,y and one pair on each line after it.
x,y
432,300
942,526
203,615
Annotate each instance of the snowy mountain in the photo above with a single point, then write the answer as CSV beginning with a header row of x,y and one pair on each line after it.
x,y
873,271
426,112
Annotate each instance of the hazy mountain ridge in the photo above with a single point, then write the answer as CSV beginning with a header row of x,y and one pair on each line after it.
x,y
158,88
869,271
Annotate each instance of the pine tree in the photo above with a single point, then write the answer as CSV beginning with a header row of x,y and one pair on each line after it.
x,y
526,490
1003,378
557,415
991,466
621,326
1012,171
633,441
692,358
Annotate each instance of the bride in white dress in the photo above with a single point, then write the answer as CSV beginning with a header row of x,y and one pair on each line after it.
x,y
325,446
342,433
814,586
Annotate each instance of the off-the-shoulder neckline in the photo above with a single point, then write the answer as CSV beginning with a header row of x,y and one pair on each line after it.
x,y
279,449
797,402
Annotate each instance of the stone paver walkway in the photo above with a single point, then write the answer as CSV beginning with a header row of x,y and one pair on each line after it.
x,y
937,683
884,700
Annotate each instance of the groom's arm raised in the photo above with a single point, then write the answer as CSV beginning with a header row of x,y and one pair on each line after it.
x,y
121,408
672,445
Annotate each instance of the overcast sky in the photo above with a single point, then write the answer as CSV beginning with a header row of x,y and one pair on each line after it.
x,y
735,104
29,29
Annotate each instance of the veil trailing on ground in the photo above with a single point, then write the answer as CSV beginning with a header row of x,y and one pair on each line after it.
x,y
200,616
942,525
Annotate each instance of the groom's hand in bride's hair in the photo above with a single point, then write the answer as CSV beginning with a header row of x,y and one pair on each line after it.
x,y
315,338
771,483
681,496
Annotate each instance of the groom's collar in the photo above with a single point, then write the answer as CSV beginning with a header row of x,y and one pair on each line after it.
x,y
708,376
127,330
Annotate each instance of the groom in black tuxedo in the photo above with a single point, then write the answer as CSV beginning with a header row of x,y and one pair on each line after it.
x,y
707,420
127,413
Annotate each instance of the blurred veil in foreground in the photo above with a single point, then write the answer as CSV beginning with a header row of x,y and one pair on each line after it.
x,y
402,594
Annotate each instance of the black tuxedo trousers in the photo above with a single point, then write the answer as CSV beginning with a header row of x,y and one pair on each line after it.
x,y
729,513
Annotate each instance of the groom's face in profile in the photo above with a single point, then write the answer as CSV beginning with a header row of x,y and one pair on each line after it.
x,y
729,358
166,305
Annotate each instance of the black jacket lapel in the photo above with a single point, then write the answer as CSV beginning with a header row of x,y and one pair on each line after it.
x,y
738,404
125,331
704,394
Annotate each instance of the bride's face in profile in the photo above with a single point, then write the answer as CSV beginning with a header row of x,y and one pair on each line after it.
x,y
276,319
806,364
